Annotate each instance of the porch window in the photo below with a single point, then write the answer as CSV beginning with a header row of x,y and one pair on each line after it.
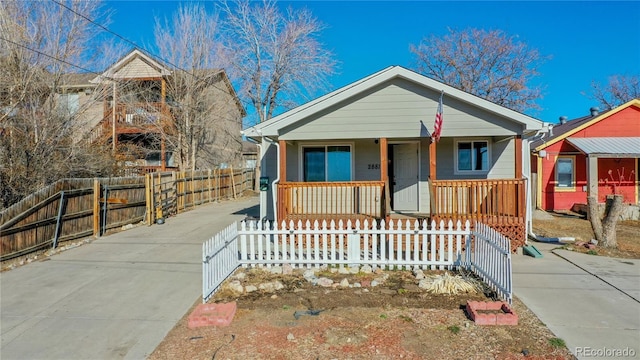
x,y
472,156
565,172
327,163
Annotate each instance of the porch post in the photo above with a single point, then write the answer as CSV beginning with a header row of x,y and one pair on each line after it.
x,y
384,160
592,176
282,176
283,161
384,174
432,160
519,155
163,92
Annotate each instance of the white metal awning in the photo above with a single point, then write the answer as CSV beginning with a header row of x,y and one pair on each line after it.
x,y
608,147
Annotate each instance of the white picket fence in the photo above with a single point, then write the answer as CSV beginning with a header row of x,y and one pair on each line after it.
x,y
490,259
392,245
219,259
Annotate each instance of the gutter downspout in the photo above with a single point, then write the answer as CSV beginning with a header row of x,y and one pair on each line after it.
x,y
275,182
526,146
526,155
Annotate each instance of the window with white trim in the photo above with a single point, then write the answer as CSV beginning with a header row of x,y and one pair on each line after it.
x,y
472,156
565,172
326,163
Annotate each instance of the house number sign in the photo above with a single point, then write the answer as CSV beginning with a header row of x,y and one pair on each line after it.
x,y
373,166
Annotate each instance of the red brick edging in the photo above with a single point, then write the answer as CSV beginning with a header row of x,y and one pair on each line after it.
x,y
212,315
506,317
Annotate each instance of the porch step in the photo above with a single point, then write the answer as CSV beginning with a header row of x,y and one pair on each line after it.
x,y
531,251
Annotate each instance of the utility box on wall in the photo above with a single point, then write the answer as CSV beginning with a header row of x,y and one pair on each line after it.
x,y
264,183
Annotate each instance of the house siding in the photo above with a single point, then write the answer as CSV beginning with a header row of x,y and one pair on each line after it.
x,y
137,68
367,152
615,176
424,203
269,169
619,176
223,143
90,113
403,104
502,159
624,123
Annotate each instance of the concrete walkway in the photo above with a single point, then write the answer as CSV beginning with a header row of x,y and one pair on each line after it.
x,y
114,298
591,302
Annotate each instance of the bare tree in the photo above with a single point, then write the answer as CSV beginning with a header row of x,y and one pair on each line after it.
x,y
618,90
38,43
489,64
207,131
277,57
604,222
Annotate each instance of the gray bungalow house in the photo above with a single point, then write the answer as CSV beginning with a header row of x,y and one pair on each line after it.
x,y
365,151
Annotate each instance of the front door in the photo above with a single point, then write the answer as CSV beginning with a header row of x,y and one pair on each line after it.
x,y
405,177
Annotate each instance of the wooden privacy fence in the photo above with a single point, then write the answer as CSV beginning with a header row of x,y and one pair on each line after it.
x,y
380,245
72,209
174,192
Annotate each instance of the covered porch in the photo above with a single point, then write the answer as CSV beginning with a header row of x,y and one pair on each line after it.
x,y
499,203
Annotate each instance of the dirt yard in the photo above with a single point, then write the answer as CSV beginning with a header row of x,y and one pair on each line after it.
x,y
395,320
569,225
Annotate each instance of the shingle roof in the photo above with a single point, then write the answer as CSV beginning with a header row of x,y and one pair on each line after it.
x,y
561,129
74,79
249,148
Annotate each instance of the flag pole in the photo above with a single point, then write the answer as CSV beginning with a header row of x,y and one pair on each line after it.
x,y
435,137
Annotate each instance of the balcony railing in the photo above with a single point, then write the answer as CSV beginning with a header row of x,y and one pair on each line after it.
x,y
330,200
132,118
138,114
489,201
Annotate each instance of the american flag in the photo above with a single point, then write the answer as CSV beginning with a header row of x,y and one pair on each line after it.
x,y
437,126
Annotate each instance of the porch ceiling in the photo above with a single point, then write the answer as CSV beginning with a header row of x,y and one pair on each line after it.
x,y
608,147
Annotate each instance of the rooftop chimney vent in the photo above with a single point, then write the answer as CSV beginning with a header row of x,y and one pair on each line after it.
x,y
594,110
563,119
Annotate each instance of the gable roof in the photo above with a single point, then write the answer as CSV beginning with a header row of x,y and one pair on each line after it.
x,y
77,80
127,59
563,131
272,126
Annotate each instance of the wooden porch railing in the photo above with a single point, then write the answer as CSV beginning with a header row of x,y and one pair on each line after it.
x,y
326,200
139,114
132,118
481,200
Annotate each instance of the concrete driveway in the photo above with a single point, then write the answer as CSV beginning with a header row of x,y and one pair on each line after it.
x,y
114,298
591,302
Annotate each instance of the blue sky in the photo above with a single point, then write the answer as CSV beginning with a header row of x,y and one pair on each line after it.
x,y
585,40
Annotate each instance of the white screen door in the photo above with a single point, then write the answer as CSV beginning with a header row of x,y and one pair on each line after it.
x,y
405,177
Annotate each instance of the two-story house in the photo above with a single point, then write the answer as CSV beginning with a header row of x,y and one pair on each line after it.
x,y
132,106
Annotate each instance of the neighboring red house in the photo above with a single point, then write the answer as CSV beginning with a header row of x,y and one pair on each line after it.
x,y
596,154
